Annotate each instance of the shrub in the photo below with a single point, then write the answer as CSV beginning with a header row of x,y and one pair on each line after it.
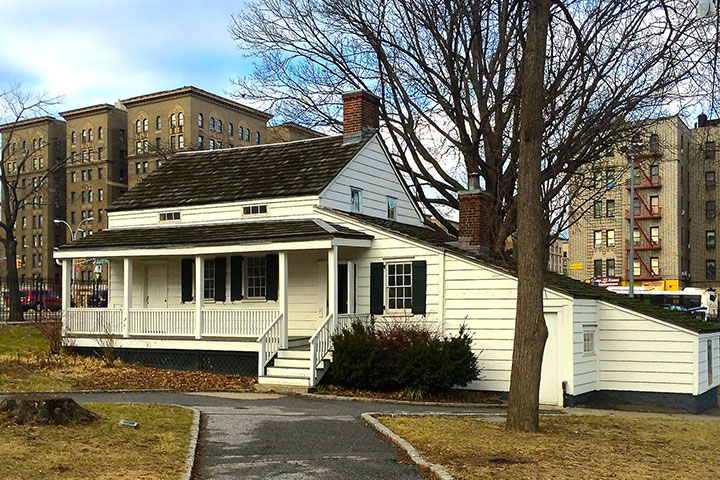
x,y
403,356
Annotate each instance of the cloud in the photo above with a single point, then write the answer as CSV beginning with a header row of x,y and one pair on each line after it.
x,y
101,51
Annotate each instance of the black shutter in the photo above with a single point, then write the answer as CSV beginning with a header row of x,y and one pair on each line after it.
x,y
220,275
236,274
271,277
419,286
186,274
377,277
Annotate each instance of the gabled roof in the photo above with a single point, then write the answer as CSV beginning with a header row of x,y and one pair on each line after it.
x,y
219,234
553,281
292,169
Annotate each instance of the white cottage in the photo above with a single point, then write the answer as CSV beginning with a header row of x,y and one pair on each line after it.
x,y
247,260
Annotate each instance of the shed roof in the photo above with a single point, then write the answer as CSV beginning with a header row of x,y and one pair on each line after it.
x,y
303,167
237,233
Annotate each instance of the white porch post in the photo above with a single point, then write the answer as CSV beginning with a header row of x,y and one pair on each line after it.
x,y
67,265
199,294
333,284
127,294
283,296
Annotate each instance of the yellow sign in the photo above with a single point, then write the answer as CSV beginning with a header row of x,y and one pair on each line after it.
x,y
575,266
659,285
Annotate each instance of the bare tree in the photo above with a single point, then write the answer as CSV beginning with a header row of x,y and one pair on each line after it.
x,y
17,105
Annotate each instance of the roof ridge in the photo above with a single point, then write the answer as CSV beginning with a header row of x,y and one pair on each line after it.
x,y
262,145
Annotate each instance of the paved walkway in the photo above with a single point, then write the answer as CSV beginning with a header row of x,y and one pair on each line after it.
x,y
261,436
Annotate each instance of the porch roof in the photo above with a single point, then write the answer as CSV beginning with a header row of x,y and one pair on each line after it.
x,y
209,235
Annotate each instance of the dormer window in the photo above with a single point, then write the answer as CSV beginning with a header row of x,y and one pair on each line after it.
x,y
170,216
355,200
255,210
392,208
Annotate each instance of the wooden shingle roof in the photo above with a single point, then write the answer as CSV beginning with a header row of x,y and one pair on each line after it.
x,y
292,169
219,234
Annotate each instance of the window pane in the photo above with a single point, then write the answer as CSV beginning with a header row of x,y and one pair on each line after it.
x,y
399,291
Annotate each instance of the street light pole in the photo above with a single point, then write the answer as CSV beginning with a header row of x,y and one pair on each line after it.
x,y
73,233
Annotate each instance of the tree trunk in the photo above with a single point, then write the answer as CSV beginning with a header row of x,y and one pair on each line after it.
x,y
530,328
13,286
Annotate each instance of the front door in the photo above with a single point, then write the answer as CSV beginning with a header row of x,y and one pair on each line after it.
x,y
156,285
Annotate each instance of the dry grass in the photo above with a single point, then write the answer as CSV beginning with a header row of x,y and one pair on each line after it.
x,y
102,450
569,447
21,339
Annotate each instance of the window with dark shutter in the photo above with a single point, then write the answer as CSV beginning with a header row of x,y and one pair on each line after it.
x,y
419,286
271,262
236,274
186,274
377,275
220,276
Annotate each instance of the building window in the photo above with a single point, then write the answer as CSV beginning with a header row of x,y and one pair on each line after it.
x,y
173,123
172,142
100,215
240,132
597,180
219,126
145,167
654,143
255,210
655,205
200,141
256,277
655,174
636,207
257,138
230,129
610,267
212,144
212,123
355,200
710,209
709,150
710,239
399,286
181,119
83,135
90,196
73,137
588,340
146,126
710,269
100,173
209,285
72,197
710,180
218,144
247,134
100,152
200,120
597,238
610,238
610,208
597,209
181,141
169,216
392,208
158,123
636,267
610,178
101,196
597,268
655,235
655,265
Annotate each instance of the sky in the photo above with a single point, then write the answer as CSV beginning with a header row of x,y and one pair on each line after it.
x,y
100,51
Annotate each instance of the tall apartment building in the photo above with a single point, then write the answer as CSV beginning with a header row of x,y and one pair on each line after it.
x,y
674,209
36,153
96,170
186,118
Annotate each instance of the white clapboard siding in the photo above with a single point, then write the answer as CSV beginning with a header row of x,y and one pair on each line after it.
x,y
221,212
585,366
637,353
371,172
703,375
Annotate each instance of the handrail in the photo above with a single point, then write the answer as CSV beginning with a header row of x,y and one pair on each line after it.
x,y
269,344
320,344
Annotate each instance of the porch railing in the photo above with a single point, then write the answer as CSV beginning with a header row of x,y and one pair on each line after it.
x,y
270,342
236,323
162,322
94,321
321,341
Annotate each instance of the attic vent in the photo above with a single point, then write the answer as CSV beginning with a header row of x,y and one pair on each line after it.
x,y
169,216
255,210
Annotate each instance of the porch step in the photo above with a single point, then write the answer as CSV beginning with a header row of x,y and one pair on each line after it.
x,y
303,363
301,382
294,354
287,372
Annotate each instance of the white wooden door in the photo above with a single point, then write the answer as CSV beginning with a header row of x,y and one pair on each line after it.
x,y
550,385
156,285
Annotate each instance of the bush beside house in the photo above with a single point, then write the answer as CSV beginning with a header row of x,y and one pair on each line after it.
x,y
403,357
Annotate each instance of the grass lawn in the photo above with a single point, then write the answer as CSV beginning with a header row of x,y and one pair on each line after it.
x,y
25,365
102,450
569,447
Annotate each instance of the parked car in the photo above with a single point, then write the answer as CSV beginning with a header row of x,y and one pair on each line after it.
x,y
40,300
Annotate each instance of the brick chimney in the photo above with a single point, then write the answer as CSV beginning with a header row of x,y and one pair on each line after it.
x,y
361,111
475,211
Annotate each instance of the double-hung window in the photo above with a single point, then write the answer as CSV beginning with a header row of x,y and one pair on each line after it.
x,y
588,340
256,277
209,285
399,286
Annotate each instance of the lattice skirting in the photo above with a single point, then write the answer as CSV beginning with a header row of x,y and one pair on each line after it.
x,y
231,363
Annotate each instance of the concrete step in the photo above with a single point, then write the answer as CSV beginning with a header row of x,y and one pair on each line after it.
x,y
300,382
296,354
288,372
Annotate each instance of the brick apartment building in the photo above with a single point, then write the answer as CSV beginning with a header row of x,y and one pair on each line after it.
x,y
98,152
674,209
